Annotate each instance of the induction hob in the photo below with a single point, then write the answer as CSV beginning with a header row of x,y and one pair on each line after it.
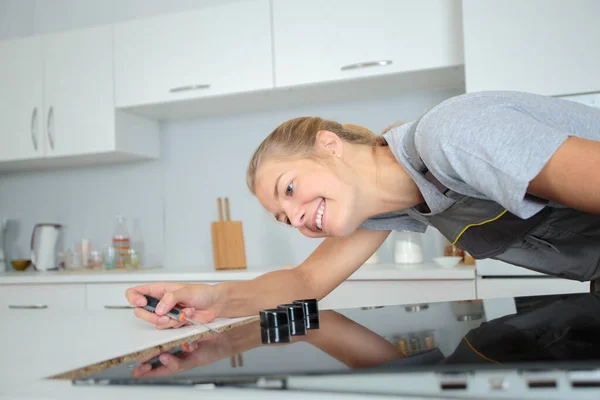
x,y
523,347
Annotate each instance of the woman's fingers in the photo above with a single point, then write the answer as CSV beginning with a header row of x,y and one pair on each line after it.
x,y
135,295
146,315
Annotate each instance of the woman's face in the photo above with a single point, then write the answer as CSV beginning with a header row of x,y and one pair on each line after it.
x,y
318,198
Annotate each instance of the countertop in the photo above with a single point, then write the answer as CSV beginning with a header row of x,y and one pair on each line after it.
x,y
37,345
425,271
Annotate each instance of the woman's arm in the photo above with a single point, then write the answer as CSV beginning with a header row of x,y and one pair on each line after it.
x,y
572,176
327,267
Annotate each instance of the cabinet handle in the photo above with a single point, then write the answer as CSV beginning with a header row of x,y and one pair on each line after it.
x,y
367,64
50,126
34,138
28,307
118,307
188,88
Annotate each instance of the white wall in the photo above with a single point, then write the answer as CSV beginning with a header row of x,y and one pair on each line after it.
x,y
170,203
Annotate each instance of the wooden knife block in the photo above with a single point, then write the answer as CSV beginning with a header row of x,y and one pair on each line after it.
x,y
229,251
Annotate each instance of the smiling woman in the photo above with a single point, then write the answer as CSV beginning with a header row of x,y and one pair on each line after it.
x,y
308,173
505,175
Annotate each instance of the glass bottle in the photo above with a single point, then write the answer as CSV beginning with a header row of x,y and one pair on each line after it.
x,y
121,243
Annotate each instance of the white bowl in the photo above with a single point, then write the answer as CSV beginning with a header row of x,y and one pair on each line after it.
x,y
447,262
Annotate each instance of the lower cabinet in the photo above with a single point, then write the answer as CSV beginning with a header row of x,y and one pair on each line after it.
x,y
43,297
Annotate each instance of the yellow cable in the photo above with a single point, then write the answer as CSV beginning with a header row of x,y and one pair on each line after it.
x,y
481,223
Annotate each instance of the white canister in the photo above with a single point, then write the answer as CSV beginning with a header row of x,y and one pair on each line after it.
x,y
408,248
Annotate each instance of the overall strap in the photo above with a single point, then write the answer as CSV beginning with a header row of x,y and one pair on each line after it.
x,y
416,160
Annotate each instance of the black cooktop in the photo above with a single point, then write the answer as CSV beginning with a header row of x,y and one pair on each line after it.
x,y
538,333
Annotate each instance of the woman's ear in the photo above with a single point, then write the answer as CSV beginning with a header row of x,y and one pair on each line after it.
x,y
329,142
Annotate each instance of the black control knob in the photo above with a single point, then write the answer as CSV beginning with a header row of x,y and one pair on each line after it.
x,y
311,312
274,326
297,318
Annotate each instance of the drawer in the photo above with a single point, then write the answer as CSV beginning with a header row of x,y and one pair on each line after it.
x,y
62,297
110,296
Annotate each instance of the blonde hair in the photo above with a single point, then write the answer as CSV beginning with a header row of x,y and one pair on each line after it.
x,y
296,139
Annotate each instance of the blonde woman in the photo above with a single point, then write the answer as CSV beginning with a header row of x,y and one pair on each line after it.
x,y
505,175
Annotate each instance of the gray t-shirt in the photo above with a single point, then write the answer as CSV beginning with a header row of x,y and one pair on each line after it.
x,y
486,145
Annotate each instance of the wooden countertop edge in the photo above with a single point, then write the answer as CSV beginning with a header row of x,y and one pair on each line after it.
x,y
149,352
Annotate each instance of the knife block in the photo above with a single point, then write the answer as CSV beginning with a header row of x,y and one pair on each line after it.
x,y
229,251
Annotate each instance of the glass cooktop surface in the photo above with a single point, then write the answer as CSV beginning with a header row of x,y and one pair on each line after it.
x,y
535,333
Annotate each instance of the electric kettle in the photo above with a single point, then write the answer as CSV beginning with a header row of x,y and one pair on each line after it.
x,y
43,246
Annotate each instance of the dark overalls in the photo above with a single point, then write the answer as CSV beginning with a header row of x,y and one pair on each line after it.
x,y
561,242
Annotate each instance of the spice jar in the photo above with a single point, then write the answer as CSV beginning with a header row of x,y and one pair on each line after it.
x,y
408,248
468,259
453,251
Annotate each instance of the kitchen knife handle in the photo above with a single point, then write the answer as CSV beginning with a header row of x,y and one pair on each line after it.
x,y
220,206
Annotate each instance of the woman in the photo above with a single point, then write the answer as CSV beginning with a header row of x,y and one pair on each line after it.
x,y
506,175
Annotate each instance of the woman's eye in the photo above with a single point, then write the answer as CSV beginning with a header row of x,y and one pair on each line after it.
x,y
289,190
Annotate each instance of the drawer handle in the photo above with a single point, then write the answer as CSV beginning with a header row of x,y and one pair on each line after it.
x,y
28,307
367,64
34,137
189,88
118,307
50,127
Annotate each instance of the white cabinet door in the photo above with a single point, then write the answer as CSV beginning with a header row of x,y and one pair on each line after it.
x,y
78,92
550,47
212,51
326,40
41,297
21,114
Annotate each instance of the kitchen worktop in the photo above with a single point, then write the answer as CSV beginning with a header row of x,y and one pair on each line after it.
x,y
425,271
37,345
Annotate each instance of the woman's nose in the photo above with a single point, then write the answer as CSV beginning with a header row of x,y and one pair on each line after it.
x,y
298,218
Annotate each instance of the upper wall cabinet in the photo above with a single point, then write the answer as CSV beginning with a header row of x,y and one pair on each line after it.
x,y
328,40
212,51
78,92
58,104
550,47
21,110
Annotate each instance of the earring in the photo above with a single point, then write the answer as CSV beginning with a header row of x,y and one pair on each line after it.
x,y
339,156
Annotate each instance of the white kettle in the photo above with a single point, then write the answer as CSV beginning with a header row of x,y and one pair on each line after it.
x,y
43,246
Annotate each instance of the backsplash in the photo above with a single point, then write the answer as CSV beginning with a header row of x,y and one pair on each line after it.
x,y
169,204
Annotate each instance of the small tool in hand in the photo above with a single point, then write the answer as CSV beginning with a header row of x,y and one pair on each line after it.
x,y
175,313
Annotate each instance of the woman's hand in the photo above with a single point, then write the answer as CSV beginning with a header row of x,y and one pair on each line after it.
x,y
200,302
204,351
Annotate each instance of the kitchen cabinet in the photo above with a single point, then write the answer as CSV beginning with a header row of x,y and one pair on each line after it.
x,y
213,51
108,296
21,99
548,47
60,104
42,297
78,92
489,288
332,40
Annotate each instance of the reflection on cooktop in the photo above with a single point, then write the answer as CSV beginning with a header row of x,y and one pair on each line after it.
x,y
549,329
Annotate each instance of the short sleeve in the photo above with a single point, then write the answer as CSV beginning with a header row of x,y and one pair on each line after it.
x,y
394,222
490,152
